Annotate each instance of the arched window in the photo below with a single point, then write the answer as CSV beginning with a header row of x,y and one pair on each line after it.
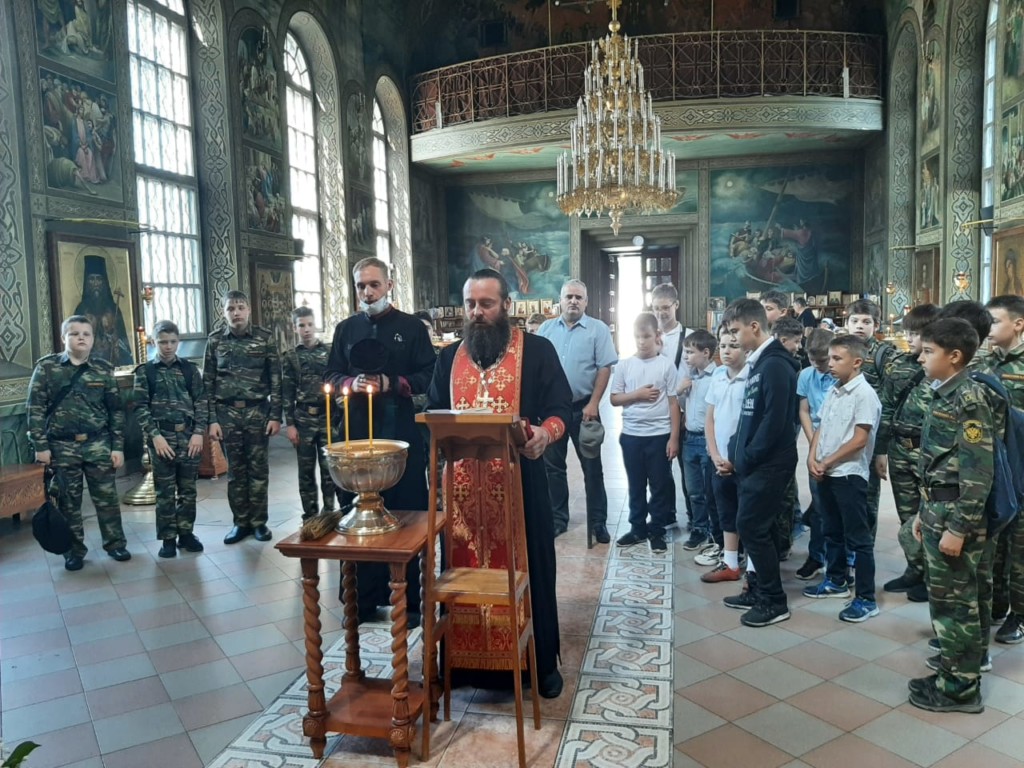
x,y
382,203
302,166
988,145
164,154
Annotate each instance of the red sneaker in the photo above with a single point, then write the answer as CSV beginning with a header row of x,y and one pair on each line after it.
x,y
722,573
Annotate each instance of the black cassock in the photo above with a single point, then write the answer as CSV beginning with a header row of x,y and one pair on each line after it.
x,y
544,393
410,356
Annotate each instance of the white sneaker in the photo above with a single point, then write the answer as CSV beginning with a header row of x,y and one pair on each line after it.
x,y
710,555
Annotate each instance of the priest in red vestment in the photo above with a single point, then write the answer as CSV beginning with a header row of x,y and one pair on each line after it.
x,y
499,367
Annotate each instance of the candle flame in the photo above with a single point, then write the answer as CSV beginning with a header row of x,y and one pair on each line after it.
x,y
369,389
327,389
344,391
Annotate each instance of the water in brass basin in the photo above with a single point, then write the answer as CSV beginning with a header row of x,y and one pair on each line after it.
x,y
367,471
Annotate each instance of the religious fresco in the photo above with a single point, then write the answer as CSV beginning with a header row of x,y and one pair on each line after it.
x,y
517,229
1011,34
258,87
875,197
686,182
80,137
266,207
78,34
357,159
875,267
783,227
931,98
929,195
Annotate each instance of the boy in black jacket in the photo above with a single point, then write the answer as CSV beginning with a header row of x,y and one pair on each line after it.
x,y
763,453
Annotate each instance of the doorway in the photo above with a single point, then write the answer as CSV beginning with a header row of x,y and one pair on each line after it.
x,y
630,273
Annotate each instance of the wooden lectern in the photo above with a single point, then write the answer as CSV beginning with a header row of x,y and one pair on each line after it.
x,y
481,437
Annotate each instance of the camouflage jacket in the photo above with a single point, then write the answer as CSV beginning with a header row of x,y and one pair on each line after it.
x,y
302,377
956,449
171,401
872,372
897,380
1009,367
92,406
245,367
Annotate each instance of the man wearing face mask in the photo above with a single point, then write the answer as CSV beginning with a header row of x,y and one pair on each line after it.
x,y
406,371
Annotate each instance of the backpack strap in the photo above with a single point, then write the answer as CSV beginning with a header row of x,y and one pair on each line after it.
x,y
188,370
917,379
679,346
62,393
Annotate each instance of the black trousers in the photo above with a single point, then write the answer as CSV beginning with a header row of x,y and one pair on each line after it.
x,y
761,492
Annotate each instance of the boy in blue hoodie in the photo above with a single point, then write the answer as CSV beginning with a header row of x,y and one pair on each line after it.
x,y
764,456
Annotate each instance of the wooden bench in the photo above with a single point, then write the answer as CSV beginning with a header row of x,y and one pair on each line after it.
x,y
21,489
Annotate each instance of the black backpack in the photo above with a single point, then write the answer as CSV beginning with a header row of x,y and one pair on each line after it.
x,y
49,525
187,369
1007,496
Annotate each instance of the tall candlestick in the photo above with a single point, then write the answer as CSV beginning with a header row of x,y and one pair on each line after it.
x,y
344,395
327,400
369,398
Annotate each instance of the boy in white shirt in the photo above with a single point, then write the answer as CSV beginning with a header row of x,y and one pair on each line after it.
x,y
645,386
839,460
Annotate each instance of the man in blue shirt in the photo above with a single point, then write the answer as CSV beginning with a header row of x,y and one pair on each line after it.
x,y
585,348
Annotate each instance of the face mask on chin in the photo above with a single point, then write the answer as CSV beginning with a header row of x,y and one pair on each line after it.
x,y
376,307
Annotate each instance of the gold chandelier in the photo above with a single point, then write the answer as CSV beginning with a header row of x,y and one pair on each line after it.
x,y
616,163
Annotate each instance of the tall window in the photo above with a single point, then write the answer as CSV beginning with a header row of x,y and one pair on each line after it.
x,y
380,186
302,175
165,163
988,145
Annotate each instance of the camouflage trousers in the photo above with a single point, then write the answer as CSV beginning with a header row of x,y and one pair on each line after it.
x,y
1008,569
954,602
874,494
175,483
906,493
312,440
90,459
245,448
783,528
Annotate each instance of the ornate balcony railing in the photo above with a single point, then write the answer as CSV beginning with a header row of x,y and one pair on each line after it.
x,y
699,65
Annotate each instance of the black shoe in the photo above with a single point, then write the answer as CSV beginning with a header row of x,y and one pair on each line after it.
x,y
600,532
367,613
120,554
764,614
746,599
903,583
549,686
921,683
190,543
928,696
809,569
935,662
657,544
237,533
413,619
630,539
1000,611
73,562
1012,631
560,529
697,540
918,593
934,645
784,554
169,549
262,533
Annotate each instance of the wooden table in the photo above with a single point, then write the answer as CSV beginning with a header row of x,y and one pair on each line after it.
x,y
375,708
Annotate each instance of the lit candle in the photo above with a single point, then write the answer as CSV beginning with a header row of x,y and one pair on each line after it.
x,y
369,398
344,395
327,399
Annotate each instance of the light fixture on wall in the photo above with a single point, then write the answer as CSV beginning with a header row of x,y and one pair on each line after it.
x,y
890,288
962,281
616,162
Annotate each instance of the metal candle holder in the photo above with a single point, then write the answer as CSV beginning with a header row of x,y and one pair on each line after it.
x,y
367,469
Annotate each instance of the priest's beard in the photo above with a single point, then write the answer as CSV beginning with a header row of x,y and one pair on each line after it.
x,y
487,342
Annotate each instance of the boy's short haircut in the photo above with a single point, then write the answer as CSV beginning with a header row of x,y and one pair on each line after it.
x,y
233,296
919,317
865,307
979,318
73,319
165,326
778,298
1012,304
787,328
646,321
801,300
701,340
953,333
537,318
665,291
299,312
855,345
745,312
818,343
723,330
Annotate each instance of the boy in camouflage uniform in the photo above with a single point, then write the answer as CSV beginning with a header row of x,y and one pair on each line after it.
x,y
173,410
956,471
75,422
863,319
302,382
1006,359
242,374
904,397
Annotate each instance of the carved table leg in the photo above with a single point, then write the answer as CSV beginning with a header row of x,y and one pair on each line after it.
x,y
401,726
314,724
350,601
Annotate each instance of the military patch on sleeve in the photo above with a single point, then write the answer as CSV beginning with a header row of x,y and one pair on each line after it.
x,y
973,431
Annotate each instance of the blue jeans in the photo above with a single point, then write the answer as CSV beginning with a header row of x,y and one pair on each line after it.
x,y
847,525
816,544
593,476
697,471
647,464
